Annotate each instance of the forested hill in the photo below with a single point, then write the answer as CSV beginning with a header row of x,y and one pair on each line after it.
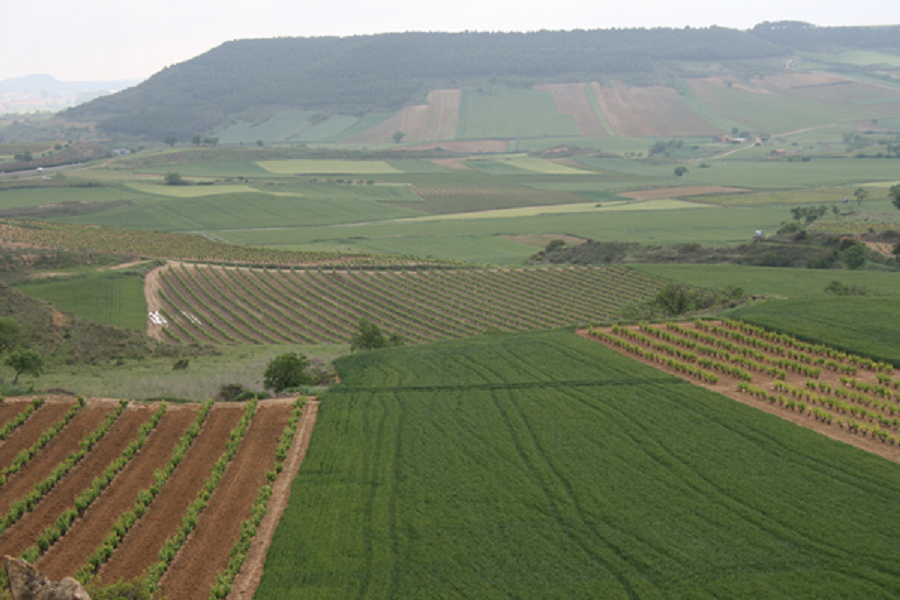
x,y
252,79
382,72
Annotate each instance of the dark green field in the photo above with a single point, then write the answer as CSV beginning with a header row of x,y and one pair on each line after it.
x,y
546,466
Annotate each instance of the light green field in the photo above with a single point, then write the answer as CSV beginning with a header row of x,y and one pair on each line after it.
x,y
327,167
539,165
799,196
319,205
115,299
818,172
331,130
280,127
502,112
227,169
860,58
190,191
475,239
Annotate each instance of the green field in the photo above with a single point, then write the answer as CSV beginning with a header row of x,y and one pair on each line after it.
x,y
115,299
504,112
327,167
280,127
547,466
867,326
785,283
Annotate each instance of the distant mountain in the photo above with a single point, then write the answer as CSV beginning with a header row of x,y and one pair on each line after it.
x,y
47,83
251,80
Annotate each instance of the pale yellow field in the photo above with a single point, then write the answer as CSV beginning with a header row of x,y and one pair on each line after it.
x,y
189,191
539,165
559,209
327,167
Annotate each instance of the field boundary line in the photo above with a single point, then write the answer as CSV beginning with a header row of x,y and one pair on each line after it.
x,y
244,585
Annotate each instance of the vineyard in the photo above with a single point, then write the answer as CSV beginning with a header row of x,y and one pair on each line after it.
x,y
177,246
843,395
226,305
109,491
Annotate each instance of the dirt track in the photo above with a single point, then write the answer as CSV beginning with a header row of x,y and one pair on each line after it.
x,y
247,581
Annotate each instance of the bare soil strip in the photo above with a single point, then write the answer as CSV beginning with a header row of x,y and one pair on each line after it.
x,y
245,584
141,545
728,386
207,550
24,533
70,553
43,463
28,433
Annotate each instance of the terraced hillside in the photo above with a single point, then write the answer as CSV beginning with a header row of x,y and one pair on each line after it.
x,y
194,303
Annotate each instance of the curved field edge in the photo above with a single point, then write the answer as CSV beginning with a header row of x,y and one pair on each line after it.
x,y
538,465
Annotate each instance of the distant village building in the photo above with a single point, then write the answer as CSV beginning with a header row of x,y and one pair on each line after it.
x,y
728,139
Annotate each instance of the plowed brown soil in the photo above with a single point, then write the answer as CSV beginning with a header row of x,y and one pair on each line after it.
x,y
206,552
29,431
22,535
141,545
43,463
244,585
9,411
70,553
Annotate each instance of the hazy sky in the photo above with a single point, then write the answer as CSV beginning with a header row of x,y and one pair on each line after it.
x,y
84,40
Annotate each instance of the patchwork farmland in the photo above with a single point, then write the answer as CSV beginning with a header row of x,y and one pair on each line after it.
x,y
225,305
115,491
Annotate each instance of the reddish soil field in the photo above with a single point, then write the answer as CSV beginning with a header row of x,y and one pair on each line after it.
x,y
728,386
22,535
443,115
43,463
434,121
68,555
571,99
207,550
649,111
141,545
28,432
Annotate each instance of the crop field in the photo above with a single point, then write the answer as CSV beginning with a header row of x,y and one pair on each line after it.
x,y
223,305
649,111
437,120
460,199
503,112
862,325
546,465
192,191
110,490
327,167
112,299
280,127
774,281
572,99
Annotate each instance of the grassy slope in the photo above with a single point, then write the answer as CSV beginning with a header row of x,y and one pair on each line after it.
x,y
115,299
636,485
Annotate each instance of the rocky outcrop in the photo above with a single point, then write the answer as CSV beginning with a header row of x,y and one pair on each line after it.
x,y
27,583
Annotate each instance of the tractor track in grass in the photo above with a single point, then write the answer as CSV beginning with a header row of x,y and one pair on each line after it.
x,y
140,546
62,497
86,534
207,550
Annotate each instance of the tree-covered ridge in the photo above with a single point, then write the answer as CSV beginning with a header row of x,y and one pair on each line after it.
x,y
373,73
798,35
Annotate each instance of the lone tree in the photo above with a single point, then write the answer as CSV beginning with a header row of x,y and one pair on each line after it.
x,y
894,194
369,337
25,362
861,194
679,171
173,178
286,371
170,140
